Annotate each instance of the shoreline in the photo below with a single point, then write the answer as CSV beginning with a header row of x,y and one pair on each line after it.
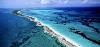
x,y
47,29
67,42
60,38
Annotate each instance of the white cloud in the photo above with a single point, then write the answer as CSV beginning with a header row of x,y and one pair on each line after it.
x,y
66,1
85,1
44,1
47,3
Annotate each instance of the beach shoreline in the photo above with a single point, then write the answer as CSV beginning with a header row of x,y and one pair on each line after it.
x,y
47,29
51,32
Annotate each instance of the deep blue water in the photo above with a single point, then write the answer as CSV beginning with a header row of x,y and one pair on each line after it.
x,y
11,25
7,22
15,31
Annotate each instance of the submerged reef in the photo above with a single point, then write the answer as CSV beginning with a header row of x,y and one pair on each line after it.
x,y
33,35
80,26
72,29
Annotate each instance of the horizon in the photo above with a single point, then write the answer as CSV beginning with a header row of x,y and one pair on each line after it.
x,y
48,3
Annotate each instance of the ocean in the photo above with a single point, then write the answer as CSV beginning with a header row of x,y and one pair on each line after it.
x,y
80,25
17,31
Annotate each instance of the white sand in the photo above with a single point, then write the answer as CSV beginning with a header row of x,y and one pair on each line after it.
x,y
63,39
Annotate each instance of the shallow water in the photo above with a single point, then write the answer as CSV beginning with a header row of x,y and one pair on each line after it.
x,y
80,26
18,31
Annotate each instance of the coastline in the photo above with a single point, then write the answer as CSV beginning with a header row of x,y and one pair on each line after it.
x,y
65,41
60,38
47,29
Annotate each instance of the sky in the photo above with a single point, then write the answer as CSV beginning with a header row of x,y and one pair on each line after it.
x,y
48,3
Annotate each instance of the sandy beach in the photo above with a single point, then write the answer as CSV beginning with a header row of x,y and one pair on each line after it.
x,y
61,39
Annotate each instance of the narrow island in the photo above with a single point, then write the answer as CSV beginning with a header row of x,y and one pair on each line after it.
x,y
47,30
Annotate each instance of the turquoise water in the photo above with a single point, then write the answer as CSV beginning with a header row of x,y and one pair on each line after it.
x,y
71,24
81,27
16,31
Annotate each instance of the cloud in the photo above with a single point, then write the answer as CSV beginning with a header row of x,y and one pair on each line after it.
x,y
47,3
